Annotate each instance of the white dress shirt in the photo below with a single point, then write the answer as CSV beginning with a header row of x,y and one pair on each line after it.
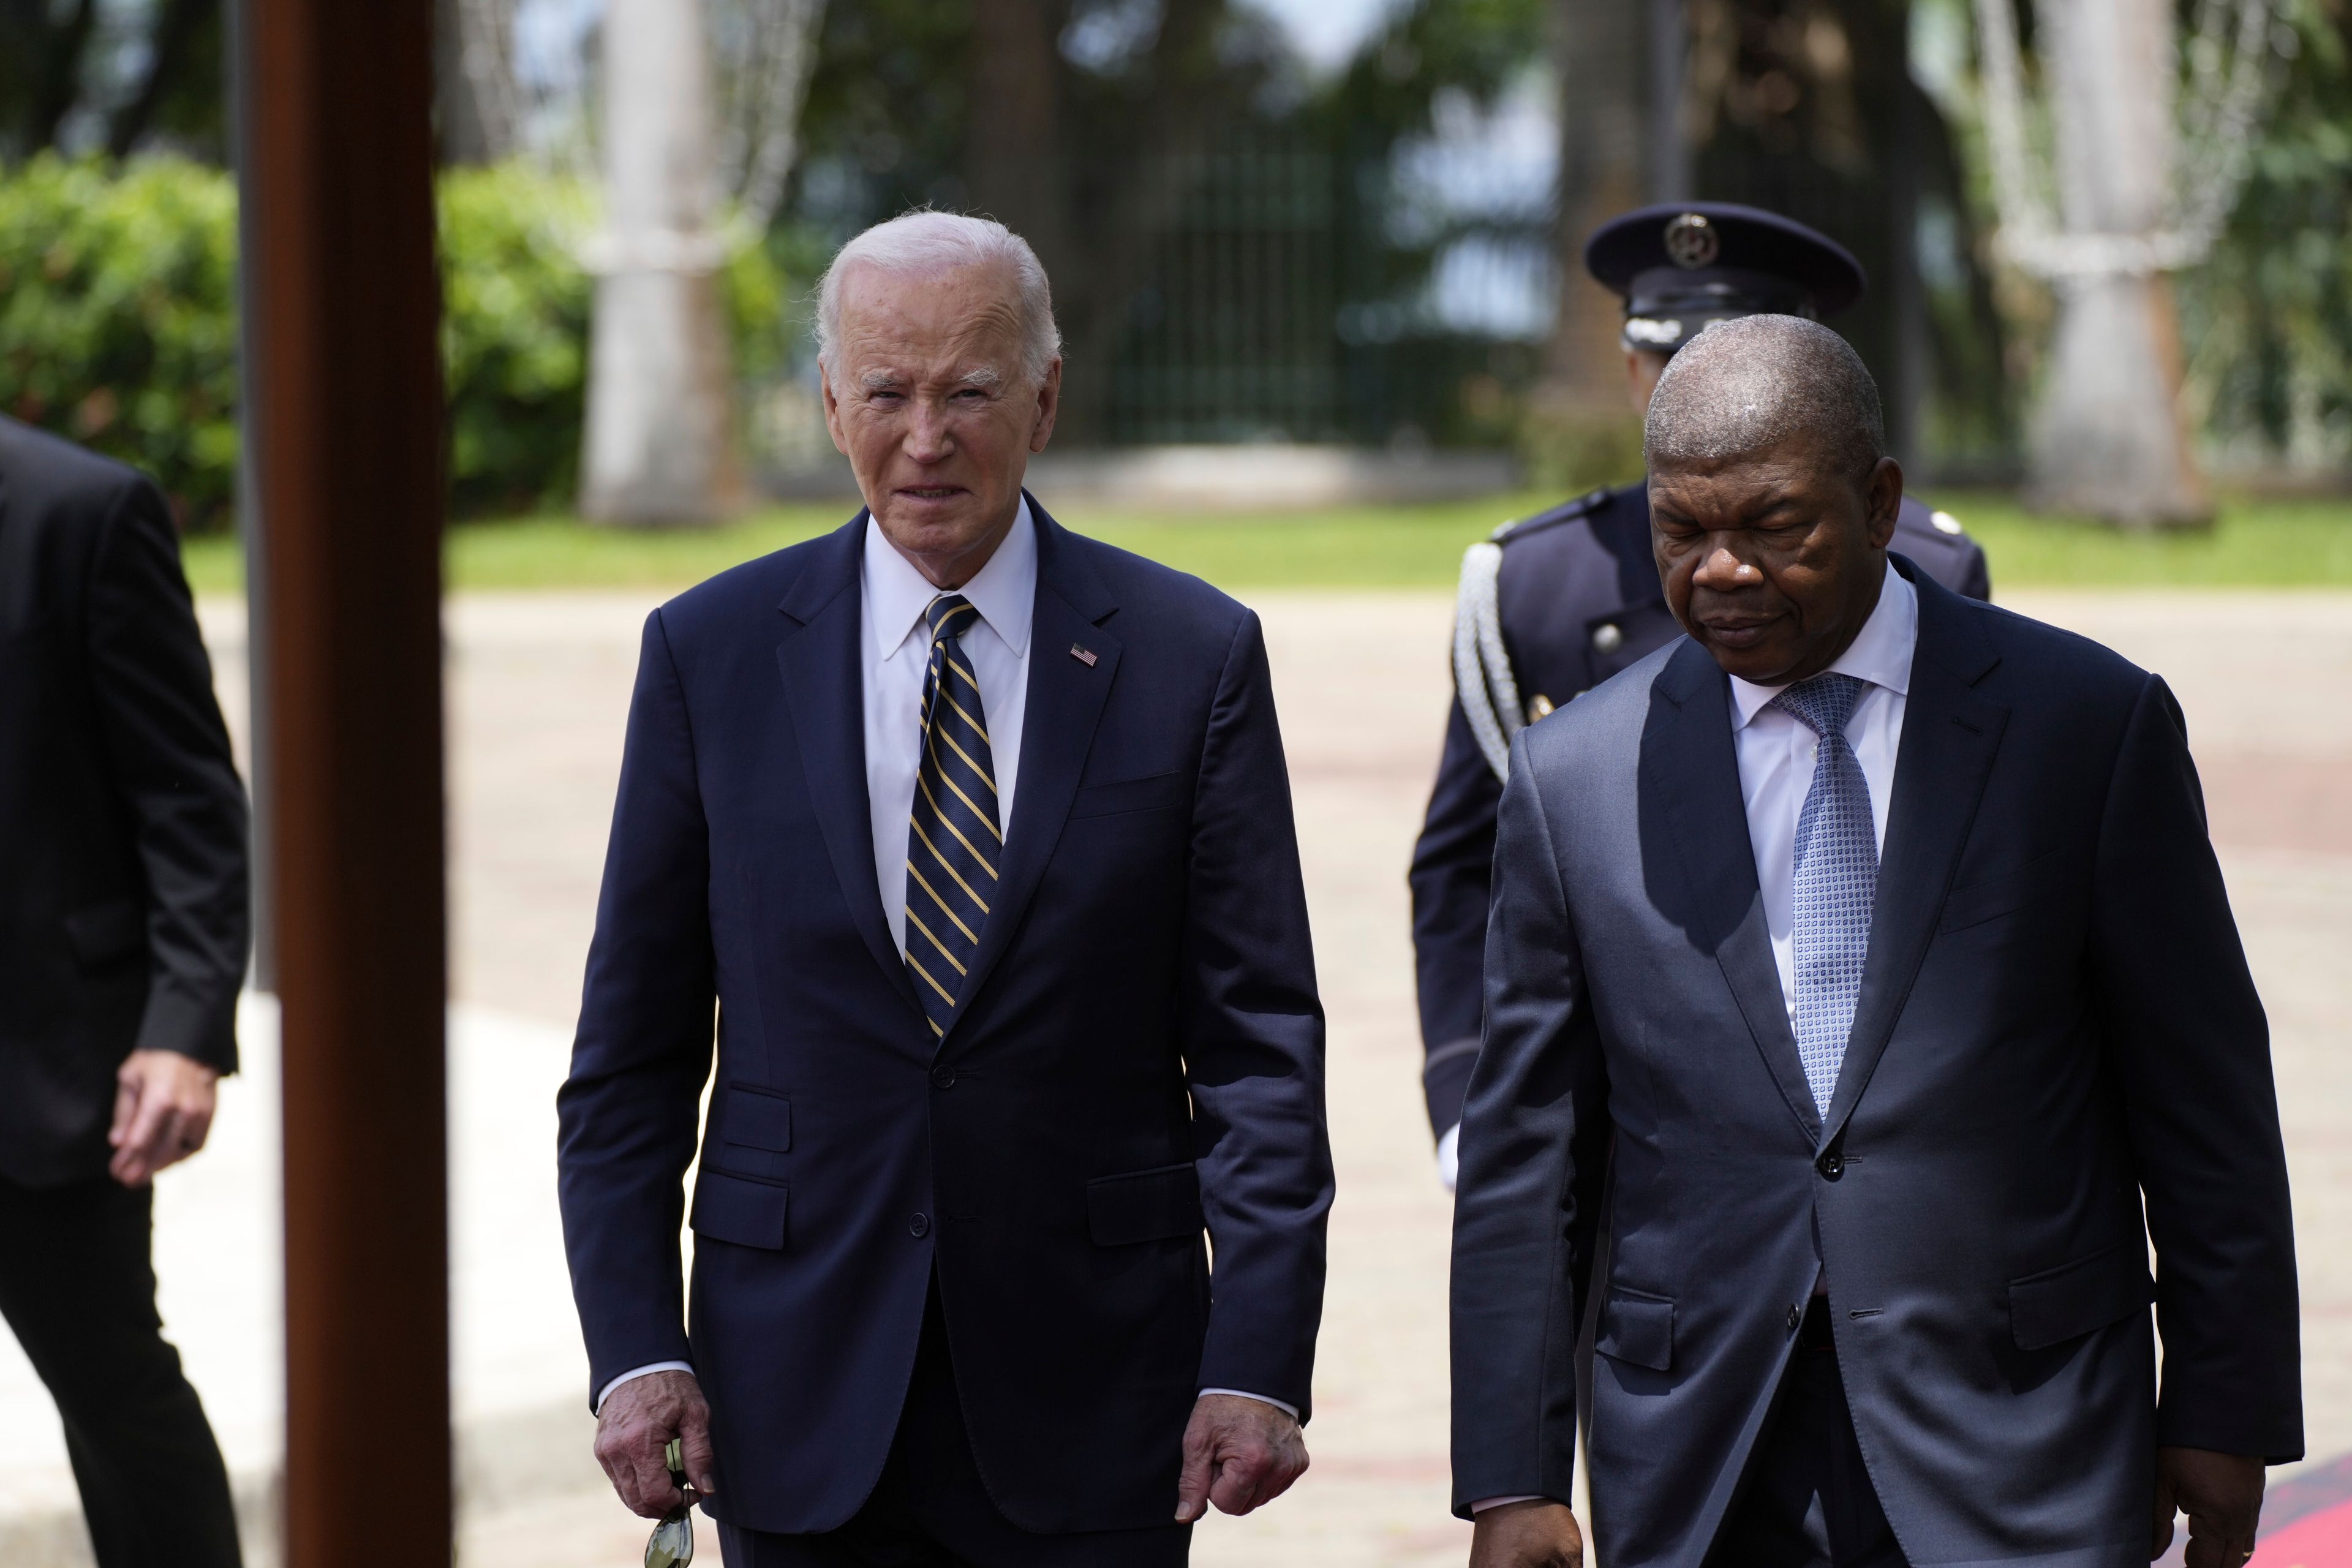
x,y
1776,752
893,659
895,654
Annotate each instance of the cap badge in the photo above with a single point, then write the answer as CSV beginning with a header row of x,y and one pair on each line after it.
x,y
1692,242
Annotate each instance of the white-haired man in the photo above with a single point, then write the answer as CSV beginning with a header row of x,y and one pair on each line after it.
x,y
976,835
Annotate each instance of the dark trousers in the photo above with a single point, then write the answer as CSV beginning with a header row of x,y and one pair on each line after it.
x,y
1806,1500
930,1510
78,1287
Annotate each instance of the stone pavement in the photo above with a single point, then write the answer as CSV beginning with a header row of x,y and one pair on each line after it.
x,y
538,685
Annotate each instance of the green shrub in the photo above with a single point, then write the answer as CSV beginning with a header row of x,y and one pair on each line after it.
x,y
514,334
117,327
118,323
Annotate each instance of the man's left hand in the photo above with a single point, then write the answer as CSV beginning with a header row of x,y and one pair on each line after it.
x,y
162,1112
1238,1453
2222,1496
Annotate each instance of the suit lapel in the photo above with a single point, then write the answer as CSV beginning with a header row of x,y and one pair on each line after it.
x,y
1690,768
1950,733
1066,704
824,685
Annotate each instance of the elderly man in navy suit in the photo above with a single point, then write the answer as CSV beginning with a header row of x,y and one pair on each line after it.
x,y
974,836
1864,952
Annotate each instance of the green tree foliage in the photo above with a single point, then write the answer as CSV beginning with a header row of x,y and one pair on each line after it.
x,y
118,324
2268,318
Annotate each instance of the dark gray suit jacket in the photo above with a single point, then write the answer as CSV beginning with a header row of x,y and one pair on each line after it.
x,y
122,824
2056,1027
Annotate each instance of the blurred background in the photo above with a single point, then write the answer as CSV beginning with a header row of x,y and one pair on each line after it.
x,y
1316,263
1313,226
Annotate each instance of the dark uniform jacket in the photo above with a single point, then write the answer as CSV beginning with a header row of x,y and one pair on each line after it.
x,y
122,823
1579,600
2058,1060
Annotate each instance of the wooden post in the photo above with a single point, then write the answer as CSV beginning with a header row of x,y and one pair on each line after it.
x,y
345,422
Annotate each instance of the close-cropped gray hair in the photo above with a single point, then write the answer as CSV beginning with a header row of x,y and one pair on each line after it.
x,y
922,242
1745,385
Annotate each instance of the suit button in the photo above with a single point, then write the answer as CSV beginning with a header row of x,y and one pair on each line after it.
x,y
1832,1165
919,1227
942,1077
1796,1318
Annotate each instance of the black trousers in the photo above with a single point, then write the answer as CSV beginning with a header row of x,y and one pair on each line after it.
x,y
1806,1500
78,1287
931,1508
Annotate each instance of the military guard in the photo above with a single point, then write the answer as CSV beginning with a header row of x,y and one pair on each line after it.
x,y
1556,604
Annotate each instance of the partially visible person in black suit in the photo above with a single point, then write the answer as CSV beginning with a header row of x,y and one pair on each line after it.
x,y
1873,936
122,944
973,837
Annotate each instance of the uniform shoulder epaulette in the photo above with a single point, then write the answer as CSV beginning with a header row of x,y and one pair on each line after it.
x,y
1568,511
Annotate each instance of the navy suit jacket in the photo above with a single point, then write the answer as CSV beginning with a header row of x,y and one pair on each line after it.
x,y
1139,1049
2056,1033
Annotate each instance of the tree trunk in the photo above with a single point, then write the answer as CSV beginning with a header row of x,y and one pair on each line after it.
x,y
1604,55
2110,441
469,66
660,445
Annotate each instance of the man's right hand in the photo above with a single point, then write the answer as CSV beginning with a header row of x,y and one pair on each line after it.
x,y
636,1426
1533,1534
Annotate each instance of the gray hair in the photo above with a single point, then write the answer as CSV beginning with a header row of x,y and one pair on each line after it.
x,y
1743,386
922,242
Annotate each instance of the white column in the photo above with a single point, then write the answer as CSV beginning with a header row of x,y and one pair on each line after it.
x,y
660,438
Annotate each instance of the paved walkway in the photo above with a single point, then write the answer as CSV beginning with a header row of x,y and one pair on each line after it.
x,y
538,685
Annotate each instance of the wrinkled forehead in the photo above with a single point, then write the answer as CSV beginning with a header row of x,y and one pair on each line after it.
x,y
934,322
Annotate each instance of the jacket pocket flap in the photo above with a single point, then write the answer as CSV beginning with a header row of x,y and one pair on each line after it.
x,y
1637,1329
106,930
742,1209
756,1118
2067,1303
1128,795
1144,1205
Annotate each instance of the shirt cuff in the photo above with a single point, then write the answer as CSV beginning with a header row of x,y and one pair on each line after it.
x,y
1484,1503
1449,1156
635,1372
1289,1410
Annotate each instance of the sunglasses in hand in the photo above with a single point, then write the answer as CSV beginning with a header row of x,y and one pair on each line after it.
x,y
672,1545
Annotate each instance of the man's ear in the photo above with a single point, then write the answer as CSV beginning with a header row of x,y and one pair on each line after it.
x,y
1049,407
1883,501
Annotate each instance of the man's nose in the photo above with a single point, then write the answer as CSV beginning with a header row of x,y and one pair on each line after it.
x,y
1722,569
928,438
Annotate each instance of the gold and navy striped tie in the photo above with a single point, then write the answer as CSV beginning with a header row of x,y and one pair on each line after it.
x,y
955,847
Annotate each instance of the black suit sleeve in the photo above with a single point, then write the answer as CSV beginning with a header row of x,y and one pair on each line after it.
x,y
1253,1048
1533,1139
1451,880
169,755
2192,1047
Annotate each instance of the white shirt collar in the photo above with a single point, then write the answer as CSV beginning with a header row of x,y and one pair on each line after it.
x,y
1005,591
1880,653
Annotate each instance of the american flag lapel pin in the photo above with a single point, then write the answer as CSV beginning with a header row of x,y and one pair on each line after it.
x,y
1083,655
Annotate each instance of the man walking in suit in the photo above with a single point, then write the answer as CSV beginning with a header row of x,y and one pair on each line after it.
x,y
978,836
1879,933
122,944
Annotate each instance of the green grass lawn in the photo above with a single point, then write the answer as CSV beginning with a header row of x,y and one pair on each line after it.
x,y
2256,544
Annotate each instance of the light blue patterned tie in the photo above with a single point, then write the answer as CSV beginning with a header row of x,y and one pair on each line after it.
x,y
1837,876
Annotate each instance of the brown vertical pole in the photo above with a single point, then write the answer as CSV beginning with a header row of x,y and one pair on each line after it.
x,y
346,425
